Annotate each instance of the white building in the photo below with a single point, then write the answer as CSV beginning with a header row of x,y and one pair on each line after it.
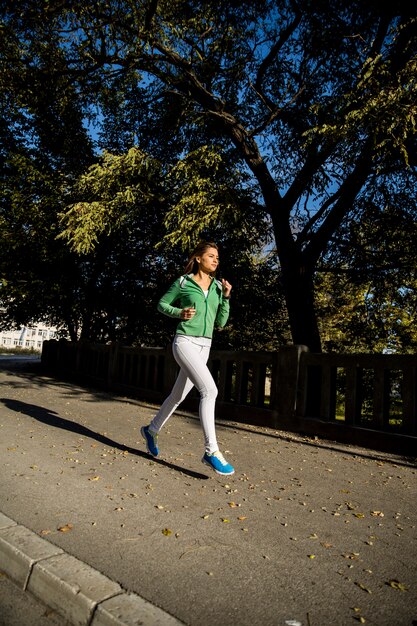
x,y
28,337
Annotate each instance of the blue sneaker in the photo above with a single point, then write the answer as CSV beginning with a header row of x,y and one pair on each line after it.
x,y
151,440
217,462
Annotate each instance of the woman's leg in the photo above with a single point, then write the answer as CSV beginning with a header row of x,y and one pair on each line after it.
x,y
180,390
192,360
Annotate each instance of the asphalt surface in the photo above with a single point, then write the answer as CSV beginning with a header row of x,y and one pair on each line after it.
x,y
94,531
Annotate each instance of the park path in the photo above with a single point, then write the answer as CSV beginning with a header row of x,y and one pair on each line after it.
x,y
306,532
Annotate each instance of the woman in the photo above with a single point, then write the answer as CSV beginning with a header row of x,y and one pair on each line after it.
x,y
200,302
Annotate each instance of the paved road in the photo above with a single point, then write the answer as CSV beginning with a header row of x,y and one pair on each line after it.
x,y
306,532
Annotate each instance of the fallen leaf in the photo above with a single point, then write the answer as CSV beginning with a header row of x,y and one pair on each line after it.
x,y
45,532
94,478
311,556
361,586
395,584
167,532
224,519
65,529
377,514
352,556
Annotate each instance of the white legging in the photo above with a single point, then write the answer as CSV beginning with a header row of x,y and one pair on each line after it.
x,y
191,354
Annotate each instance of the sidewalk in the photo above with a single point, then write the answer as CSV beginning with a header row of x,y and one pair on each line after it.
x,y
306,532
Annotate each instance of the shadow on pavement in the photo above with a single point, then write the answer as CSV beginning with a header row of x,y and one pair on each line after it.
x,y
53,419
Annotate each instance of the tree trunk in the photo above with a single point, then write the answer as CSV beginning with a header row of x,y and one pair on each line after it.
x,y
297,270
299,296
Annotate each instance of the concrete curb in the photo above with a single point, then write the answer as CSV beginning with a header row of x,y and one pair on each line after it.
x,y
76,591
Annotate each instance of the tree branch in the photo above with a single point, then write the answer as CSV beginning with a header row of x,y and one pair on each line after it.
x,y
271,56
150,14
346,196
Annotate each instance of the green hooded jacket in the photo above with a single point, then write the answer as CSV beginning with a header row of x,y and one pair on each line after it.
x,y
210,312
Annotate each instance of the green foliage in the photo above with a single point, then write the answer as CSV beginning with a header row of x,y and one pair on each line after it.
x,y
366,287
383,101
201,197
258,318
113,187
223,120
365,317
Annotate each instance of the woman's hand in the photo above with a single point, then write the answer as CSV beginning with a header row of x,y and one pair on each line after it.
x,y
187,313
227,288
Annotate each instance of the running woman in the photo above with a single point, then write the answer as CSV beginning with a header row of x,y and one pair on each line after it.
x,y
200,302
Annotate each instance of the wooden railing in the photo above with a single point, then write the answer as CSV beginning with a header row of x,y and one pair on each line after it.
x,y
363,399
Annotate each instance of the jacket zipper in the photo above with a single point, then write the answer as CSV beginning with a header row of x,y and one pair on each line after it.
x,y
206,307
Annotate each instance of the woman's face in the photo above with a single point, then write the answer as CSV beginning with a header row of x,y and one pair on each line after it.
x,y
209,261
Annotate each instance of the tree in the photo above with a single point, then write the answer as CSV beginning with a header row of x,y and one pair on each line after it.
x,y
313,103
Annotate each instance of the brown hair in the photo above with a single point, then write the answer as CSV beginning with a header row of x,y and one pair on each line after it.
x,y
203,246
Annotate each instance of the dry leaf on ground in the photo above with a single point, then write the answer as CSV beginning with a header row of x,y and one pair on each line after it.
x,y
65,529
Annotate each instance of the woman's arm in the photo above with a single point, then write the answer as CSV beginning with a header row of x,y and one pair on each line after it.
x,y
165,304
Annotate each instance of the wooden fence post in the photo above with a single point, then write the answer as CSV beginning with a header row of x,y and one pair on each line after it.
x,y
286,382
113,357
